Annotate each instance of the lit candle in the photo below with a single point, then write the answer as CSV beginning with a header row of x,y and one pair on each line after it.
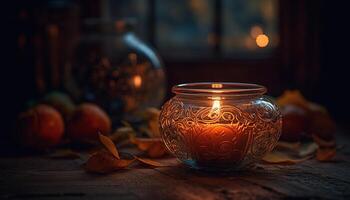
x,y
219,125
217,142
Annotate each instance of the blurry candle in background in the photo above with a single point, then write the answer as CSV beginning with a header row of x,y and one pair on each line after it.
x,y
262,40
137,81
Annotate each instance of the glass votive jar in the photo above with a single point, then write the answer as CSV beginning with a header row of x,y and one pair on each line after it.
x,y
220,126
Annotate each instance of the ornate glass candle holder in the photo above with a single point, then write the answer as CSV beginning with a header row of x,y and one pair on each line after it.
x,y
220,126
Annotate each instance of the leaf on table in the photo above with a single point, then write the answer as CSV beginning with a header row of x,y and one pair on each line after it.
x,y
127,124
293,97
296,149
109,145
104,162
154,147
282,159
145,143
64,154
322,143
293,146
325,154
307,149
121,134
152,163
123,163
157,151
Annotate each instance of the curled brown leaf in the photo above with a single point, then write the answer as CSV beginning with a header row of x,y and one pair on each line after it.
x,y
109,145
325,154
322,143
154,147
282,159
152,163
121,134
104,162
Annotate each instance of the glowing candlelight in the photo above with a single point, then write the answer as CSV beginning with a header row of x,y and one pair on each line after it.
x,y
205,126
137,81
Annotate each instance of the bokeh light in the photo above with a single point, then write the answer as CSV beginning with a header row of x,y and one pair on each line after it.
x,y
262,40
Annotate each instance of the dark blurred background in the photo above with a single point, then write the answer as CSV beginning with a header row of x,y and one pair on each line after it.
x,y
282,44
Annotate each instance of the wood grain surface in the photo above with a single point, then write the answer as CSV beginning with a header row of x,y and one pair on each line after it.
x,y
37,177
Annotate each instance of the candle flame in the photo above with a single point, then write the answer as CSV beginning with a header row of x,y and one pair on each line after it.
x,y
216,105
215,109
137,81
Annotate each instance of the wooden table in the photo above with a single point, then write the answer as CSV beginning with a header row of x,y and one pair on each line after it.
x,y
45,178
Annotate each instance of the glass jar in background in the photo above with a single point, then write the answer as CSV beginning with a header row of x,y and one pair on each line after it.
x,y
113,68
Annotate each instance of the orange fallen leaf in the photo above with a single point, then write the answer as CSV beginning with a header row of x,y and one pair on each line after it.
x,y
293,146
293,97
296,149
307,149
156,151
122,163
109,145
121,134
322,143
154,147
325,154
104,162
151,163
282,159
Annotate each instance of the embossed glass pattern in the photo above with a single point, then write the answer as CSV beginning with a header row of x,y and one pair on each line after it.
x,y
220,126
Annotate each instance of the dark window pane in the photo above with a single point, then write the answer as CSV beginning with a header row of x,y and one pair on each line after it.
x,y
249,27
183,27
135,9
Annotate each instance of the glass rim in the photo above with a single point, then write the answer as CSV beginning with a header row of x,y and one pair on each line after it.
x,y
219,88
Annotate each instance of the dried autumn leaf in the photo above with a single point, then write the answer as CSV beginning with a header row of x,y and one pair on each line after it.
x,y
121,134
105,162
156,151
293,146
122,163
141,145
109,145
282,159
296,149
325,154
154,147
322,143
307,149
151,163
64,154
293,97
125,123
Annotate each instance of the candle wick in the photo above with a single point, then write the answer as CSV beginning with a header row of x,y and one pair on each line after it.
x,y
215,110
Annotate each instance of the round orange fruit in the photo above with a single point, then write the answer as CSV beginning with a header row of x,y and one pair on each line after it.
x,y
40,127
294,123
87,120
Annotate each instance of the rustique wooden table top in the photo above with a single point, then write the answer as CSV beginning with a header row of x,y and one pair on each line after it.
x,y
37,177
